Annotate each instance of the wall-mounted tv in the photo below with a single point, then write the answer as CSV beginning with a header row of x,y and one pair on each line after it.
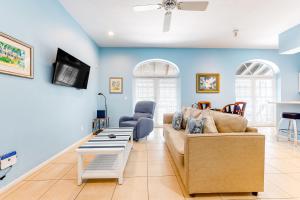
x,y
70,71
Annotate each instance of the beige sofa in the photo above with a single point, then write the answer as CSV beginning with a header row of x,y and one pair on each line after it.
x,y
218,163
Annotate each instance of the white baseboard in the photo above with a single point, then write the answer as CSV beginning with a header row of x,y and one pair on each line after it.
x,y
30,172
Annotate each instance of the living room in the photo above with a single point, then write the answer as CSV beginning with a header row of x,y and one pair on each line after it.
x,y
165,52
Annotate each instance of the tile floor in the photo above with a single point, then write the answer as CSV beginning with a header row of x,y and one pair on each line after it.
x,y
150,174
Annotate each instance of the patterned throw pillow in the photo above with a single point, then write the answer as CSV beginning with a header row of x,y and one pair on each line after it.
x,y
177,119
188,112
195,126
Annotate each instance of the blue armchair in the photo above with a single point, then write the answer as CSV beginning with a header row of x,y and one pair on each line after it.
x,y
142,120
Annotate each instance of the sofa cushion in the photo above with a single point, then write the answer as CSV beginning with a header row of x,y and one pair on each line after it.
x,y
128,124
177,119
176,138
229,123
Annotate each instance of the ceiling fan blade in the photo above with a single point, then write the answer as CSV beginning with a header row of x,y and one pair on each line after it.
x,y
147,7
167,21
193,5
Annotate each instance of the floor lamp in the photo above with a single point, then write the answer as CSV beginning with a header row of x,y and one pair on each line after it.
x,y
106,118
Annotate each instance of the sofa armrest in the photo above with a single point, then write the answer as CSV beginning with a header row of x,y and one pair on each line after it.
x,y
251,129
168,117
227,161
125,118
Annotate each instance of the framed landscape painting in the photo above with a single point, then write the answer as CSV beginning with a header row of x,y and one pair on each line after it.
x,y
16,57
207,83
116,85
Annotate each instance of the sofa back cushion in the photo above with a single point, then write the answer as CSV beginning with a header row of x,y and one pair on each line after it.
x,y
229,123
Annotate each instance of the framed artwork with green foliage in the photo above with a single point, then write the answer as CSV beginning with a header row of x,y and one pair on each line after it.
x,y
16,57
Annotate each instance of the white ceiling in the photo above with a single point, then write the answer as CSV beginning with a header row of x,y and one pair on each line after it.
x,y
259,22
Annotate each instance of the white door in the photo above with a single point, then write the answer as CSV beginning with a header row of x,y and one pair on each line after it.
x,y
257,91
163,91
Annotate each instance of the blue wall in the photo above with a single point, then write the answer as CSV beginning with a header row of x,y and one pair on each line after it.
x,y
38,119
121,62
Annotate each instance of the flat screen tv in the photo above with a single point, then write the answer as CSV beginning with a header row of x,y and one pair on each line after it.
x,y
70,71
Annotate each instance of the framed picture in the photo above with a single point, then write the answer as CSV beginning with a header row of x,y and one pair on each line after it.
x,y
207,83
116,85
16,57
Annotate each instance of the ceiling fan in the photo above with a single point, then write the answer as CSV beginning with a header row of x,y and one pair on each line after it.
x,y
169,5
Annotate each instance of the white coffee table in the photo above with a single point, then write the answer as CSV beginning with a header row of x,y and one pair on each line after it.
x,y
111,155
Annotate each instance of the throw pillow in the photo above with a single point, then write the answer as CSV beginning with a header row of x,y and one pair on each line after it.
x,y
188,112
177,119
210,126
195,126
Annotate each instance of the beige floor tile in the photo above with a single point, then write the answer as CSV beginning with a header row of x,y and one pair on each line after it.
x,y
10,190
160,168
157,155
286,183
270,170
134,169
71,174
138,146
52,171
164,187
97,189
284,165
132,189
66,158
63,190
273,191
138,156
31,190
156,146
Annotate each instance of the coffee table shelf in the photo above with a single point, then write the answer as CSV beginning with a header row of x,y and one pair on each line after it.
x,y
111,155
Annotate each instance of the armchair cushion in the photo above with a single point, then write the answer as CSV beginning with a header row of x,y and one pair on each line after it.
x,y
128,123
136,116
126,118
144,107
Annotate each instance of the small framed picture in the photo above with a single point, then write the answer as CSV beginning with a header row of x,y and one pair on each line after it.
x,y
207,83
116,85
16,57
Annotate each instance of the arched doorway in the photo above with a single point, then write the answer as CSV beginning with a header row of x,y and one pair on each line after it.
x,y
255,83
157,80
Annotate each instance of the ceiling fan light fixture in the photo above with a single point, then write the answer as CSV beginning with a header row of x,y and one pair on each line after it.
x,y
146,7
110,33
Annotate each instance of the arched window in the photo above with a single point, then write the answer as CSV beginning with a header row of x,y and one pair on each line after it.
x,y
256,84
157,80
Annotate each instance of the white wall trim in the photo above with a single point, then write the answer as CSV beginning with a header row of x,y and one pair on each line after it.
x,y
30,172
